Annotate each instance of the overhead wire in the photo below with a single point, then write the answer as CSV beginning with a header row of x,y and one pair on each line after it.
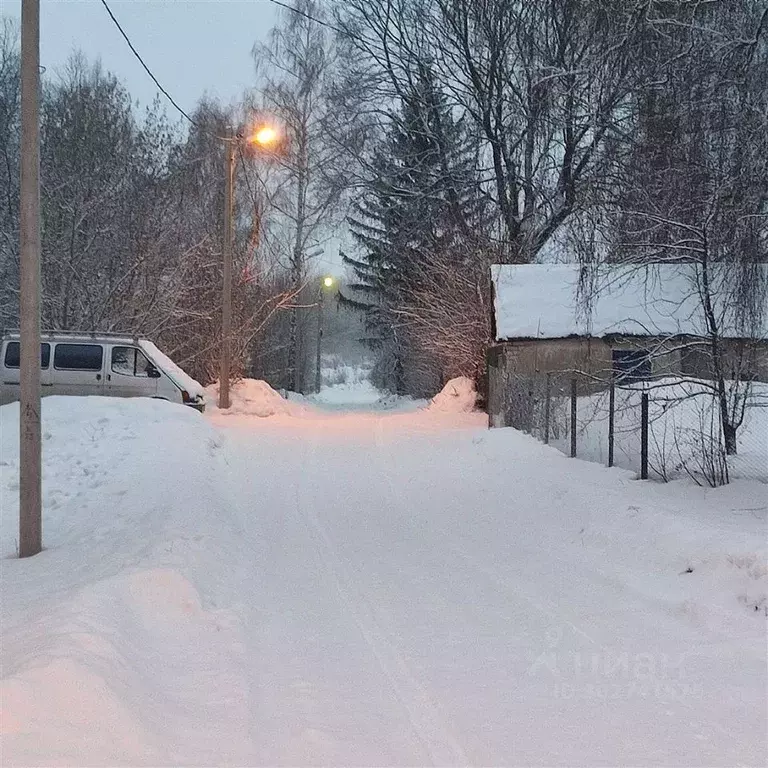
x,y
311,17
182,112
146,68
165,92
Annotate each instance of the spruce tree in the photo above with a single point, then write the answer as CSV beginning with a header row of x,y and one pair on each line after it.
x,y
424,208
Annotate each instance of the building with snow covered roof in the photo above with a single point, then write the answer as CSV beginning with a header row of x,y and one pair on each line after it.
x,y
629,322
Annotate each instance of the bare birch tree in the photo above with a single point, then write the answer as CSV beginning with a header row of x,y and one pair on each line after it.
x,y
9,172
696,189
305,187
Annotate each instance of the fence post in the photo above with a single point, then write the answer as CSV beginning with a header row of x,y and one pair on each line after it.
x,y
611,419
644,436
547,399
573,417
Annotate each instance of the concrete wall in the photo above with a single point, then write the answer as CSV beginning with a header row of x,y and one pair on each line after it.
x,y
517,370
591,356
517,375
741,359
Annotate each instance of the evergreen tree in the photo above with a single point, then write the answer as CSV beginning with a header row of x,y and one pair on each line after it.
x,y
417,222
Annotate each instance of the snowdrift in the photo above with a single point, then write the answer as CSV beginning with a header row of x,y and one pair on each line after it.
x,y
253,397
109,635
457,396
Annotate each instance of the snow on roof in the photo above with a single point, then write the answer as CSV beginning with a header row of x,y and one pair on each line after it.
x,y
544,301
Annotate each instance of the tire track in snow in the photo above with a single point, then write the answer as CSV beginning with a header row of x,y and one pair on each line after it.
x,y
542,606
539,605
429,726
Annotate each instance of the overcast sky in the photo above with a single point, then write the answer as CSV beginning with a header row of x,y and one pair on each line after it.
x,y
193,47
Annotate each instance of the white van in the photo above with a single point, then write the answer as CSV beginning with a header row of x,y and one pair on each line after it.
x,y
100,364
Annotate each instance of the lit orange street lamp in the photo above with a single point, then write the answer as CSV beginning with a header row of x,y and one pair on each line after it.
x,y
265,137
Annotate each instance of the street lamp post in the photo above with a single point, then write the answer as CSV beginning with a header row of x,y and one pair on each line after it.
x,y
226,301
264,137
327,282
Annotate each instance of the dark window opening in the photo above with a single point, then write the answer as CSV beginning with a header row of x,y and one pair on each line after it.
x,y
129,361
78,357
631,365
13,355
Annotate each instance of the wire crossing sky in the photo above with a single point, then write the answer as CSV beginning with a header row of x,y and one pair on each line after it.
x,y
192,48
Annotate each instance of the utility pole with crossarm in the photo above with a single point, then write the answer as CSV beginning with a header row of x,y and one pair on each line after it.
x,y
266,137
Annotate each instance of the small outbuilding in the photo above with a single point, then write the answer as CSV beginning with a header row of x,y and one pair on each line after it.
x,y
627,322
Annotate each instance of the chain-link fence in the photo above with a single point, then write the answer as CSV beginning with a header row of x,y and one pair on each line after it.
x,y
661,428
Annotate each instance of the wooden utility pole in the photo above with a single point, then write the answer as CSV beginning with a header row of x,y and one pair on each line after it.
x,y
226,302
30,469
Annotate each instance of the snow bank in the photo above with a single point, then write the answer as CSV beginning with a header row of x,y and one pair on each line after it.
x,y
253,397
457,396
112,652
699,551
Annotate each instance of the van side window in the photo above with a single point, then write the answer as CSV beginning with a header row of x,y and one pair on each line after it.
x,y
13,352
78,357
129,361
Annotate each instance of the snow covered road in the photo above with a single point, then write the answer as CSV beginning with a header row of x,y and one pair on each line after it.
x,y
388,589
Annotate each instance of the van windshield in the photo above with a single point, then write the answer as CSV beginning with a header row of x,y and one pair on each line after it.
x,y
181,379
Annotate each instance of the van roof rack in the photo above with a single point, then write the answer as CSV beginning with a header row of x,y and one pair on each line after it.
x,y
86,334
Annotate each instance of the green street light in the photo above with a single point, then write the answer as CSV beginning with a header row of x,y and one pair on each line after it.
x,y
326,283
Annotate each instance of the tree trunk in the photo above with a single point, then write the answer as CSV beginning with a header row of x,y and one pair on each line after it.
x,y
298,370
296,353
729,435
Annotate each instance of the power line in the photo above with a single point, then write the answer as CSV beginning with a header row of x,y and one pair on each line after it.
x,y
146,68
309,16
168,95
344,32
170,98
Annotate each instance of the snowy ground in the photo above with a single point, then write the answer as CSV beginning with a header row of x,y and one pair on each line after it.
x,y
349,388
361,396
380,588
